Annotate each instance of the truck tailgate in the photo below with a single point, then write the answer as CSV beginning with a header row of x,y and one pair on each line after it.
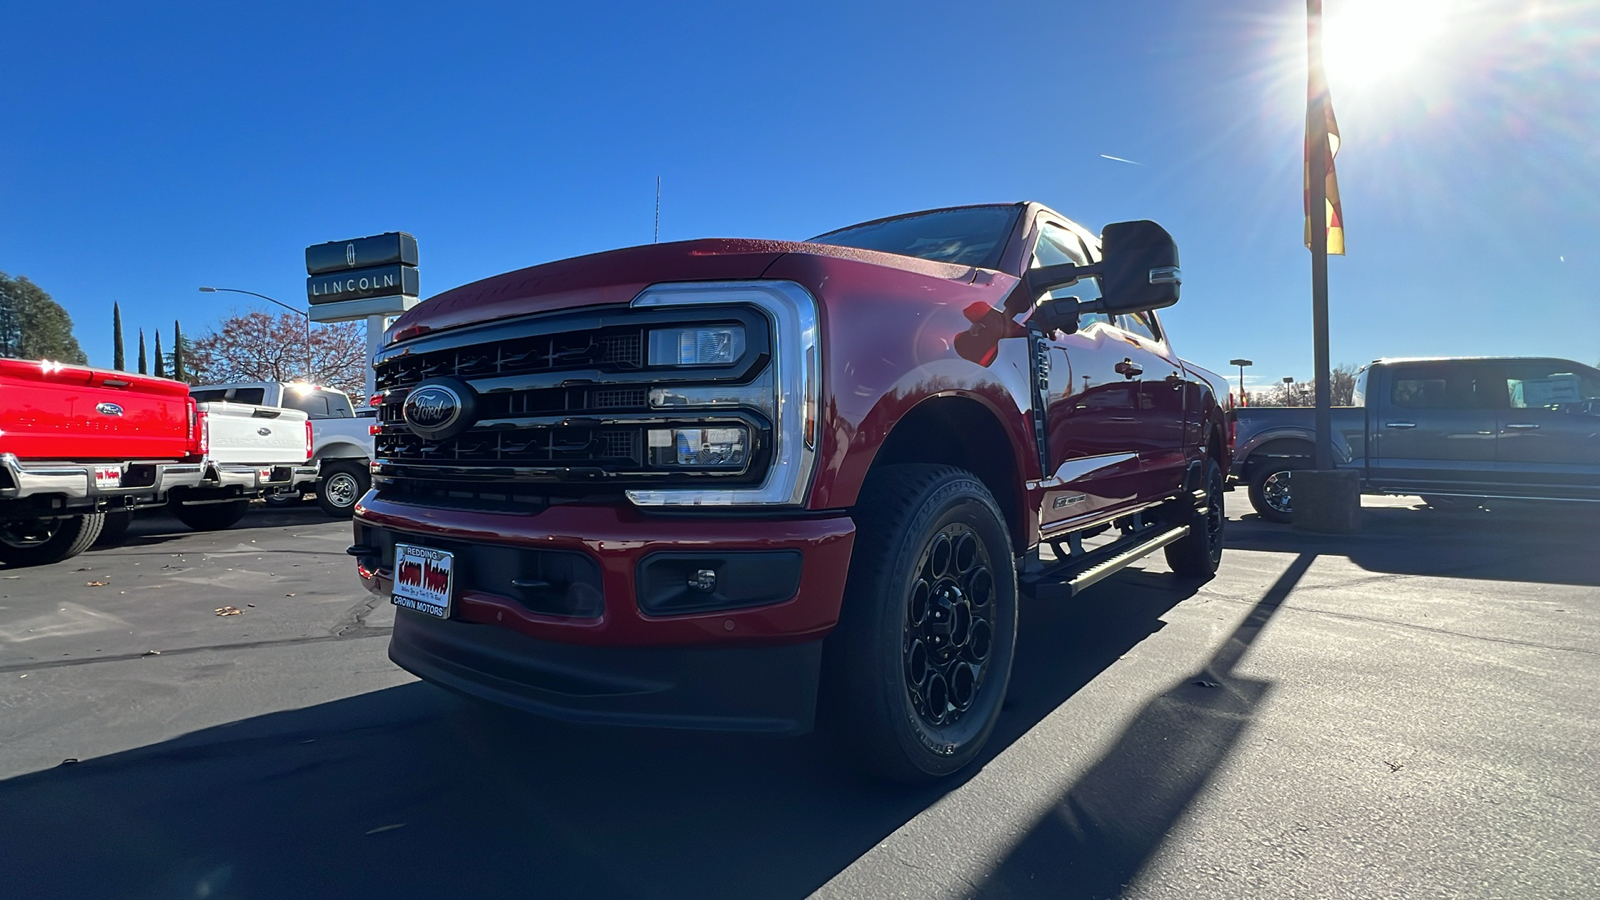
x,y
254,435
50,411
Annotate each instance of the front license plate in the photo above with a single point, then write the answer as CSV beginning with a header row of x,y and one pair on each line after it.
x,y
106,477
423,579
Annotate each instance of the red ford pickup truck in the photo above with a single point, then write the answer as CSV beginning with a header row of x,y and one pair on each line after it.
x,y
753,485
77,443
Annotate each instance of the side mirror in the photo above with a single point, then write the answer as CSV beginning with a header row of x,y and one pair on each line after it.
x,y
1138,270
1139,267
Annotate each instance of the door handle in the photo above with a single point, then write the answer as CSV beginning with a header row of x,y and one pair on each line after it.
x,y
1521,426
1129,369
1399,424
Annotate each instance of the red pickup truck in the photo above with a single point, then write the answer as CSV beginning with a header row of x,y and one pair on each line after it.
x,y
750,485
77,443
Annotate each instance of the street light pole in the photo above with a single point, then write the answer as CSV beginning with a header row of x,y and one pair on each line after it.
x,y
307,314
1244,399
1289,398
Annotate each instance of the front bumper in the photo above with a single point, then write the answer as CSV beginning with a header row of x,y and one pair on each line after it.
x,y
751,666
83,486
771,690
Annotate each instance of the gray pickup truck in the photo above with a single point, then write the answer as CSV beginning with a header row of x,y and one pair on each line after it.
x,y
1457,431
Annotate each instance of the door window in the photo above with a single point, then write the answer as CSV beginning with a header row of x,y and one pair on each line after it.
x,y
1143,324
1553,386
1056,246
1445,387
313,404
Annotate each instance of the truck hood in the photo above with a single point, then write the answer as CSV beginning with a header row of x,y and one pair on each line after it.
x,y
617,276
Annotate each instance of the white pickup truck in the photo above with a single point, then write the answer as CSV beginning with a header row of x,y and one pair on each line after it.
x,y
341,440
247,452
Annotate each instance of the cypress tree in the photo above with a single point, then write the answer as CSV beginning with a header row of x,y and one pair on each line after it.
x,y
116,338
161,368
177,352
144,368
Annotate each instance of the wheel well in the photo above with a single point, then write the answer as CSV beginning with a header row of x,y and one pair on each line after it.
x,y
962,432
1295,447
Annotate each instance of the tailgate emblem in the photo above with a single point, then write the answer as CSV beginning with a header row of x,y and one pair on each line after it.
x,y
263,431
108,409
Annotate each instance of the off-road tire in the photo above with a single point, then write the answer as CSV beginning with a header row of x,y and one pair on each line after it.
x,y
115,528
69,537
1201,551
211,516
868,703
341,485
1259,487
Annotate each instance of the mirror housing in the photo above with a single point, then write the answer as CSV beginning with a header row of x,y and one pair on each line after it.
x,y
1138,268
1138,271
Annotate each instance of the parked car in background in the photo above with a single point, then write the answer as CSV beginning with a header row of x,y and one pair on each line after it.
x,y
77,444
341,439
248,452
704,484
1455,430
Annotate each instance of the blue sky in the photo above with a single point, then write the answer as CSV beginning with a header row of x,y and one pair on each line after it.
x,y
148,152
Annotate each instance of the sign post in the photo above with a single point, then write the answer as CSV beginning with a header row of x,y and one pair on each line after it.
x,y
370,278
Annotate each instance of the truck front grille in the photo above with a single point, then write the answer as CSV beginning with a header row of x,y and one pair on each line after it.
x,y
617,348
557,397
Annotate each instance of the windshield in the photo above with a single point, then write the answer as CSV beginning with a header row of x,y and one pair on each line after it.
x,y
967,235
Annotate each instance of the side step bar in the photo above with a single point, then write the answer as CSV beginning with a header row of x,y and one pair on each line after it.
x,y
1065,579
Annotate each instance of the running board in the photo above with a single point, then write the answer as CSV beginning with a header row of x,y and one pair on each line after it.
x,y
1065,579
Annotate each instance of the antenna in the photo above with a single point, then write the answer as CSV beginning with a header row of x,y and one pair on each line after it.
x,y
657,238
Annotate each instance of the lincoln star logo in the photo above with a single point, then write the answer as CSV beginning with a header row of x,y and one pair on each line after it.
x,y
349,254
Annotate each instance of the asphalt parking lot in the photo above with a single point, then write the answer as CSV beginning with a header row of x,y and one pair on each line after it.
x,y
1408,712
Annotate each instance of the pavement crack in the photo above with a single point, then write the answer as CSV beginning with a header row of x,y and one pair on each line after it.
x,y
365,631
1428,628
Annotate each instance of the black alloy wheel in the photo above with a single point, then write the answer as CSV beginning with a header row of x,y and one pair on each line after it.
x,y
915,672
949,637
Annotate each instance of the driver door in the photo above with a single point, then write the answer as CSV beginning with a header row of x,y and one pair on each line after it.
x,y
1100,433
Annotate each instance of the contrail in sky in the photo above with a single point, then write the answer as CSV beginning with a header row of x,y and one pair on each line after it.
x,y
1120,159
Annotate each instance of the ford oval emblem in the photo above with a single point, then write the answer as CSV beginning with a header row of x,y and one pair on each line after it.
x,y
438,409
108,409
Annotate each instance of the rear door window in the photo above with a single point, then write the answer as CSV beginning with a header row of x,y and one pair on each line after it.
x,y
1446,387
313,403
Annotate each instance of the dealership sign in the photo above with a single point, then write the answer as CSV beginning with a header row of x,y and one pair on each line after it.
x,y
369,276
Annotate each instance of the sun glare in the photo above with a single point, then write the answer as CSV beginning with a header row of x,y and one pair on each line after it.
x,y
1368,42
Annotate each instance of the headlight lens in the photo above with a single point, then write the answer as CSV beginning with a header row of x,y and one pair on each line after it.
x,y
699,447
719,346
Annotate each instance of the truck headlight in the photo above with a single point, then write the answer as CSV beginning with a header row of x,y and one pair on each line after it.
x,y
727,448
788,393
719,346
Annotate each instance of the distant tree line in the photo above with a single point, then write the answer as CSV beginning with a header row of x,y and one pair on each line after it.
x,y
1341,386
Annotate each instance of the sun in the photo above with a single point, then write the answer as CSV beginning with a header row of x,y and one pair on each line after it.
x,y
1370,42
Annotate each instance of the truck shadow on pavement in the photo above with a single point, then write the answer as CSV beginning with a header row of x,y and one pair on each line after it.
x,y
413,792
1095,839
1551,544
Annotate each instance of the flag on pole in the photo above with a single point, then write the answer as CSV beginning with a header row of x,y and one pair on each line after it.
x,y
1335,212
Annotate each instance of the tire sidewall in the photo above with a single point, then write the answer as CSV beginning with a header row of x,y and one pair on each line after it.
x,y
940,750
1258,498
353,472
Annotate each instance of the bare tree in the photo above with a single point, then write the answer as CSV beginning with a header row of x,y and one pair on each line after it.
x,y
258,346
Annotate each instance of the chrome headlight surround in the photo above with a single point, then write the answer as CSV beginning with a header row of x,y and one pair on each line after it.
x,y
796,360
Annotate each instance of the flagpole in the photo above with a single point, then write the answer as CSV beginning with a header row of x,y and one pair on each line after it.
x,y
1317,161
